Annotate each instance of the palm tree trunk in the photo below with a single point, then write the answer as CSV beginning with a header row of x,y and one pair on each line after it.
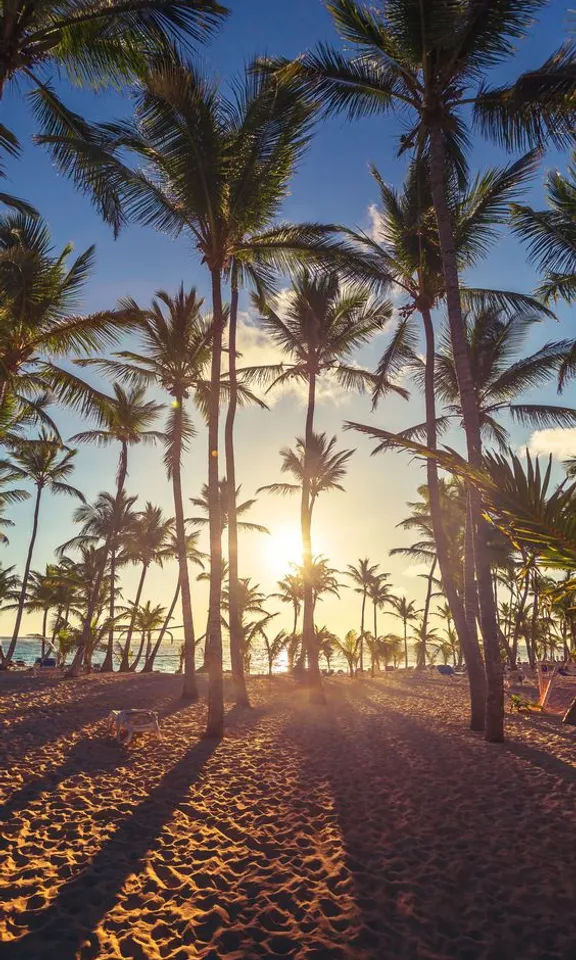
x,y
138,657
215,723
362,623
308,638
44,628
108,662
236,659
405,622
76,664
189,689
149,664
468,640
375,625
426,614
125,662
22,599
494,729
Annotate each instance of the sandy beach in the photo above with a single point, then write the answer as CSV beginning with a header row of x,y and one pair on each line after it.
x,y
377,827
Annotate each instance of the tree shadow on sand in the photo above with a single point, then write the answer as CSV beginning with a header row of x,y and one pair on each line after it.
x,y
427,815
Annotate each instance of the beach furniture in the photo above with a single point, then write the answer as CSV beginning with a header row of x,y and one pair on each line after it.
x,y
46,667
121,722
570,715
445,670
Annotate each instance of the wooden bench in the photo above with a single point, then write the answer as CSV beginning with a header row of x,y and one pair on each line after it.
x,y
129,722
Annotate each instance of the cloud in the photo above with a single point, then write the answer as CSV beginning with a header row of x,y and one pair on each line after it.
x,y
559,441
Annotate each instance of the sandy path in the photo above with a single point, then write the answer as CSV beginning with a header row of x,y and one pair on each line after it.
x,y
377,827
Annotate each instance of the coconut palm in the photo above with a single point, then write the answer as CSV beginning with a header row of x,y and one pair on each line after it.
x,y
106,522
219,158
92,44
390,648
274,647
379,593
124,418
349,648
202,503
147,620
149,540
318,332
551,235
407,612
9,497
429,61
291,590
362,575
47,464
40,293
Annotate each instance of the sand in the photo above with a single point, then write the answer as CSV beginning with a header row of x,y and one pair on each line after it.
x,y
377,827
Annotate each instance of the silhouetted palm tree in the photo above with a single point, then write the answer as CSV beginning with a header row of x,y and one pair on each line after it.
x,y
362,575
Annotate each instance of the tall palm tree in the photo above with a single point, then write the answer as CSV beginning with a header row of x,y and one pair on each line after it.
x,y
40,294
429,61
319,331
217,157
124,418
406,611
362,576
47,464
407,250
106,522
173,351
148,541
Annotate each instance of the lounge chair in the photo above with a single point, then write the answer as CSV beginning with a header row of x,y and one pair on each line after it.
x,y
445,670
46,667
129,722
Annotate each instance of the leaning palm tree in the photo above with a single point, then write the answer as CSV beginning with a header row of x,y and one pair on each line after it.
x,y
429,61
47,464
124,418
318,332
362,576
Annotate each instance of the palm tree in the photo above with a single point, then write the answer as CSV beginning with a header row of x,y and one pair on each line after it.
x,y
327,642
406,611
9,590
147,619
291,590
429,61
124,418
92,44
40,293
390,647
202,503
379,594
318,332
407,251
349,648
193,555
47,464
148,542
362,575
173,352
274,647
108,521
551,235
218,158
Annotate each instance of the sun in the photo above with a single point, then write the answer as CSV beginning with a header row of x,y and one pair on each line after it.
x,y
283,547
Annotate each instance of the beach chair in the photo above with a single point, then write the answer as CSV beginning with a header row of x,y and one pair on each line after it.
x,y
46,667
445,670
129,722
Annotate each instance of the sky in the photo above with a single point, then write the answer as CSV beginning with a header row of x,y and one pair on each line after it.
x,y
333,184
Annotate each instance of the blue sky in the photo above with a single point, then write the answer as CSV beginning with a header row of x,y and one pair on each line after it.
x,y
333,184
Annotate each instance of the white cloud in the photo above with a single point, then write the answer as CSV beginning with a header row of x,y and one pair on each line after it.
x,y
559,441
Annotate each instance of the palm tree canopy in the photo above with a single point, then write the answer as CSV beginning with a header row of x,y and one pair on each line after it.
x,y
319,330
325,466
124,417
45,462
40,292
430,60
362,574
150,537
241,508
